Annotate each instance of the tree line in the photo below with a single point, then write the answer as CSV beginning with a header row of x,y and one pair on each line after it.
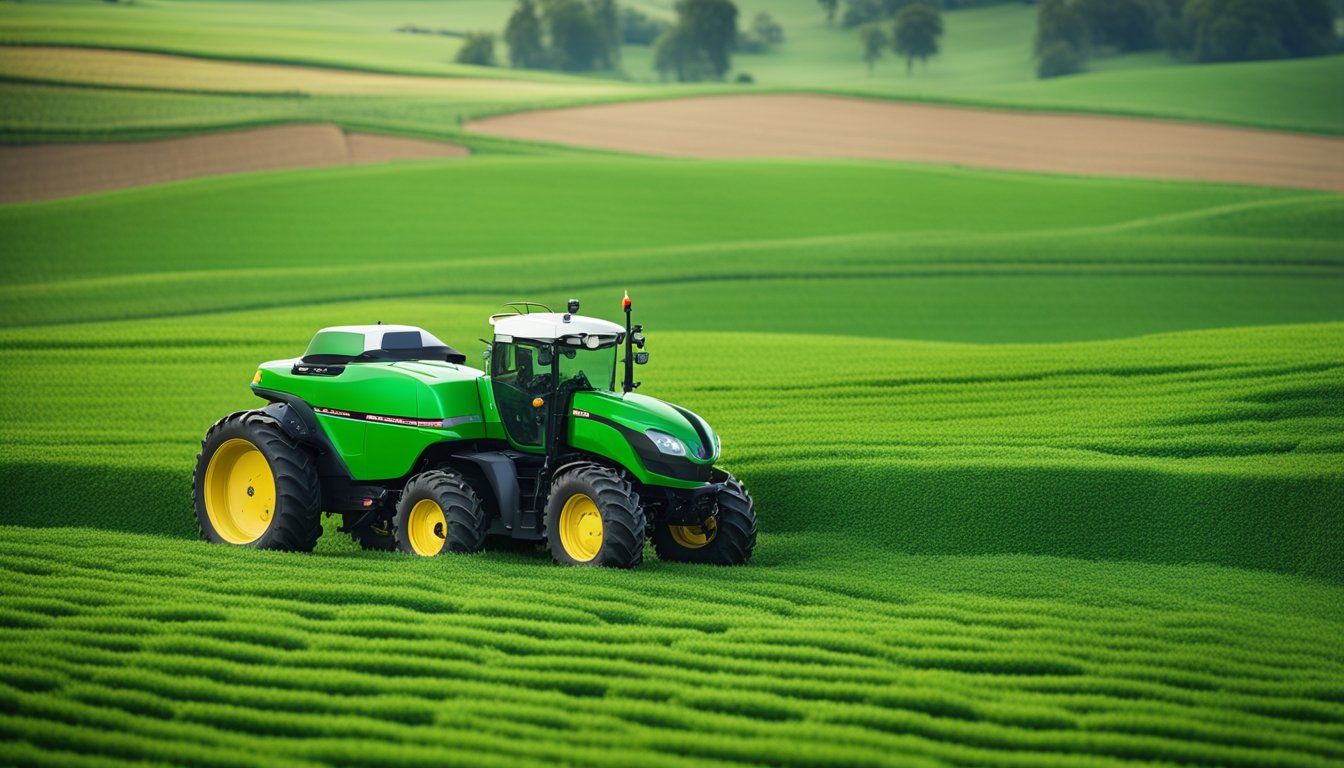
x,y
586,35
1069,31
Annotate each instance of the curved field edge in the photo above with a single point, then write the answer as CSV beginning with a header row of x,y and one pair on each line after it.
x,y
828,650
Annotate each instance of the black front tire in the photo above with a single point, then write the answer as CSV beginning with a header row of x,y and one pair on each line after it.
x,y
439,512
620,536
728,540
289,518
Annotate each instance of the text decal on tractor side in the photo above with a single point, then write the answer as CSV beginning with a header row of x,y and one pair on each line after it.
x,y
386,426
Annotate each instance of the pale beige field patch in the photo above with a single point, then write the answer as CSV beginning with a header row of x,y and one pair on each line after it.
x,y
45,171
784,125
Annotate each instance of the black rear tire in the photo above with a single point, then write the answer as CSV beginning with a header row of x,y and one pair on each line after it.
x,y
281,506
439,512
729,539
608,529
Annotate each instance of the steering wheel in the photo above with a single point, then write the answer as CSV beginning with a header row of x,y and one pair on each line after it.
x,y
578,381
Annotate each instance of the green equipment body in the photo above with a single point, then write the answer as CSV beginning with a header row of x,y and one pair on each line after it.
x,y
388,427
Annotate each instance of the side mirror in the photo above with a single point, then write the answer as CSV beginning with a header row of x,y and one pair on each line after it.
x,y
545,356
641,358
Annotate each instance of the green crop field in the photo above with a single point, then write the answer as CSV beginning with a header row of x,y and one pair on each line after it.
x,y
1049,469
1058,483
826,651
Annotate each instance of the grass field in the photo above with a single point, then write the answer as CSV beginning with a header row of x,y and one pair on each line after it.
x,y
999,524
986,60
1230,431
826,651
1049,469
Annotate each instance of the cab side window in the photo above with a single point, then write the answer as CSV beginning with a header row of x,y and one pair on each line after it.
x,y
516,382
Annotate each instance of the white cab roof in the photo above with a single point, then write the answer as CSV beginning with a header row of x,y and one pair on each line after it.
x,y
373,334
548,326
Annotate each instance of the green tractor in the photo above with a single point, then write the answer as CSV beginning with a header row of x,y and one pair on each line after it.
x,y
385,426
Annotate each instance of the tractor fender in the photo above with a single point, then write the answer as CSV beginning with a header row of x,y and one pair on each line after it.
x,y
298,421
291,421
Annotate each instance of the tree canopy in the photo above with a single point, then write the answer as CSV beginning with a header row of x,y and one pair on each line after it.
x,y
918,27
1205,30
873,41
523,36
478,49
700,45
575,35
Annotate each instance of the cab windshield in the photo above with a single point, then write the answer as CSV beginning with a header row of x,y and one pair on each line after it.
x,y
582,368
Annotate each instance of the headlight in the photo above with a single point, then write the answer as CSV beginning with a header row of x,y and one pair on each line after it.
x,y
667,443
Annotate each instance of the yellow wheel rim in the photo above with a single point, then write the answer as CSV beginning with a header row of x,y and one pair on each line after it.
x,y
694,536
581,528
239,492
427,528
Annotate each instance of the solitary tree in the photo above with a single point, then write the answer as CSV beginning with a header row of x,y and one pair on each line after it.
x,y
873,40
577,41
523,36
918,28
700,45
713,26
479,49
830,6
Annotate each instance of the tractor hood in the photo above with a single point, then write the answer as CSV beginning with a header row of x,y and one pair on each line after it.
x,y
641,419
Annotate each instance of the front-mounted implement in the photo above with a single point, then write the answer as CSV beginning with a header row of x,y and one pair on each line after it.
x,y
386,426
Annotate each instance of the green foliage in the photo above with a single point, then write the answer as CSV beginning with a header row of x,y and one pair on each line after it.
x,y
1209,30
477,49
764,33
524,38
1128,25
873,40
918,27
700,45
1239,30
607,17
1059,59
578,40
1062,39
638,28
764,26
858,12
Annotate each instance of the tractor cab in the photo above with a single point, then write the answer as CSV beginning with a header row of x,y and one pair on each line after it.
x,y
539,360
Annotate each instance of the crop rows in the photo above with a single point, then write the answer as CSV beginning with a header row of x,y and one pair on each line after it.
x,y
1217,446
1214,446
120,646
